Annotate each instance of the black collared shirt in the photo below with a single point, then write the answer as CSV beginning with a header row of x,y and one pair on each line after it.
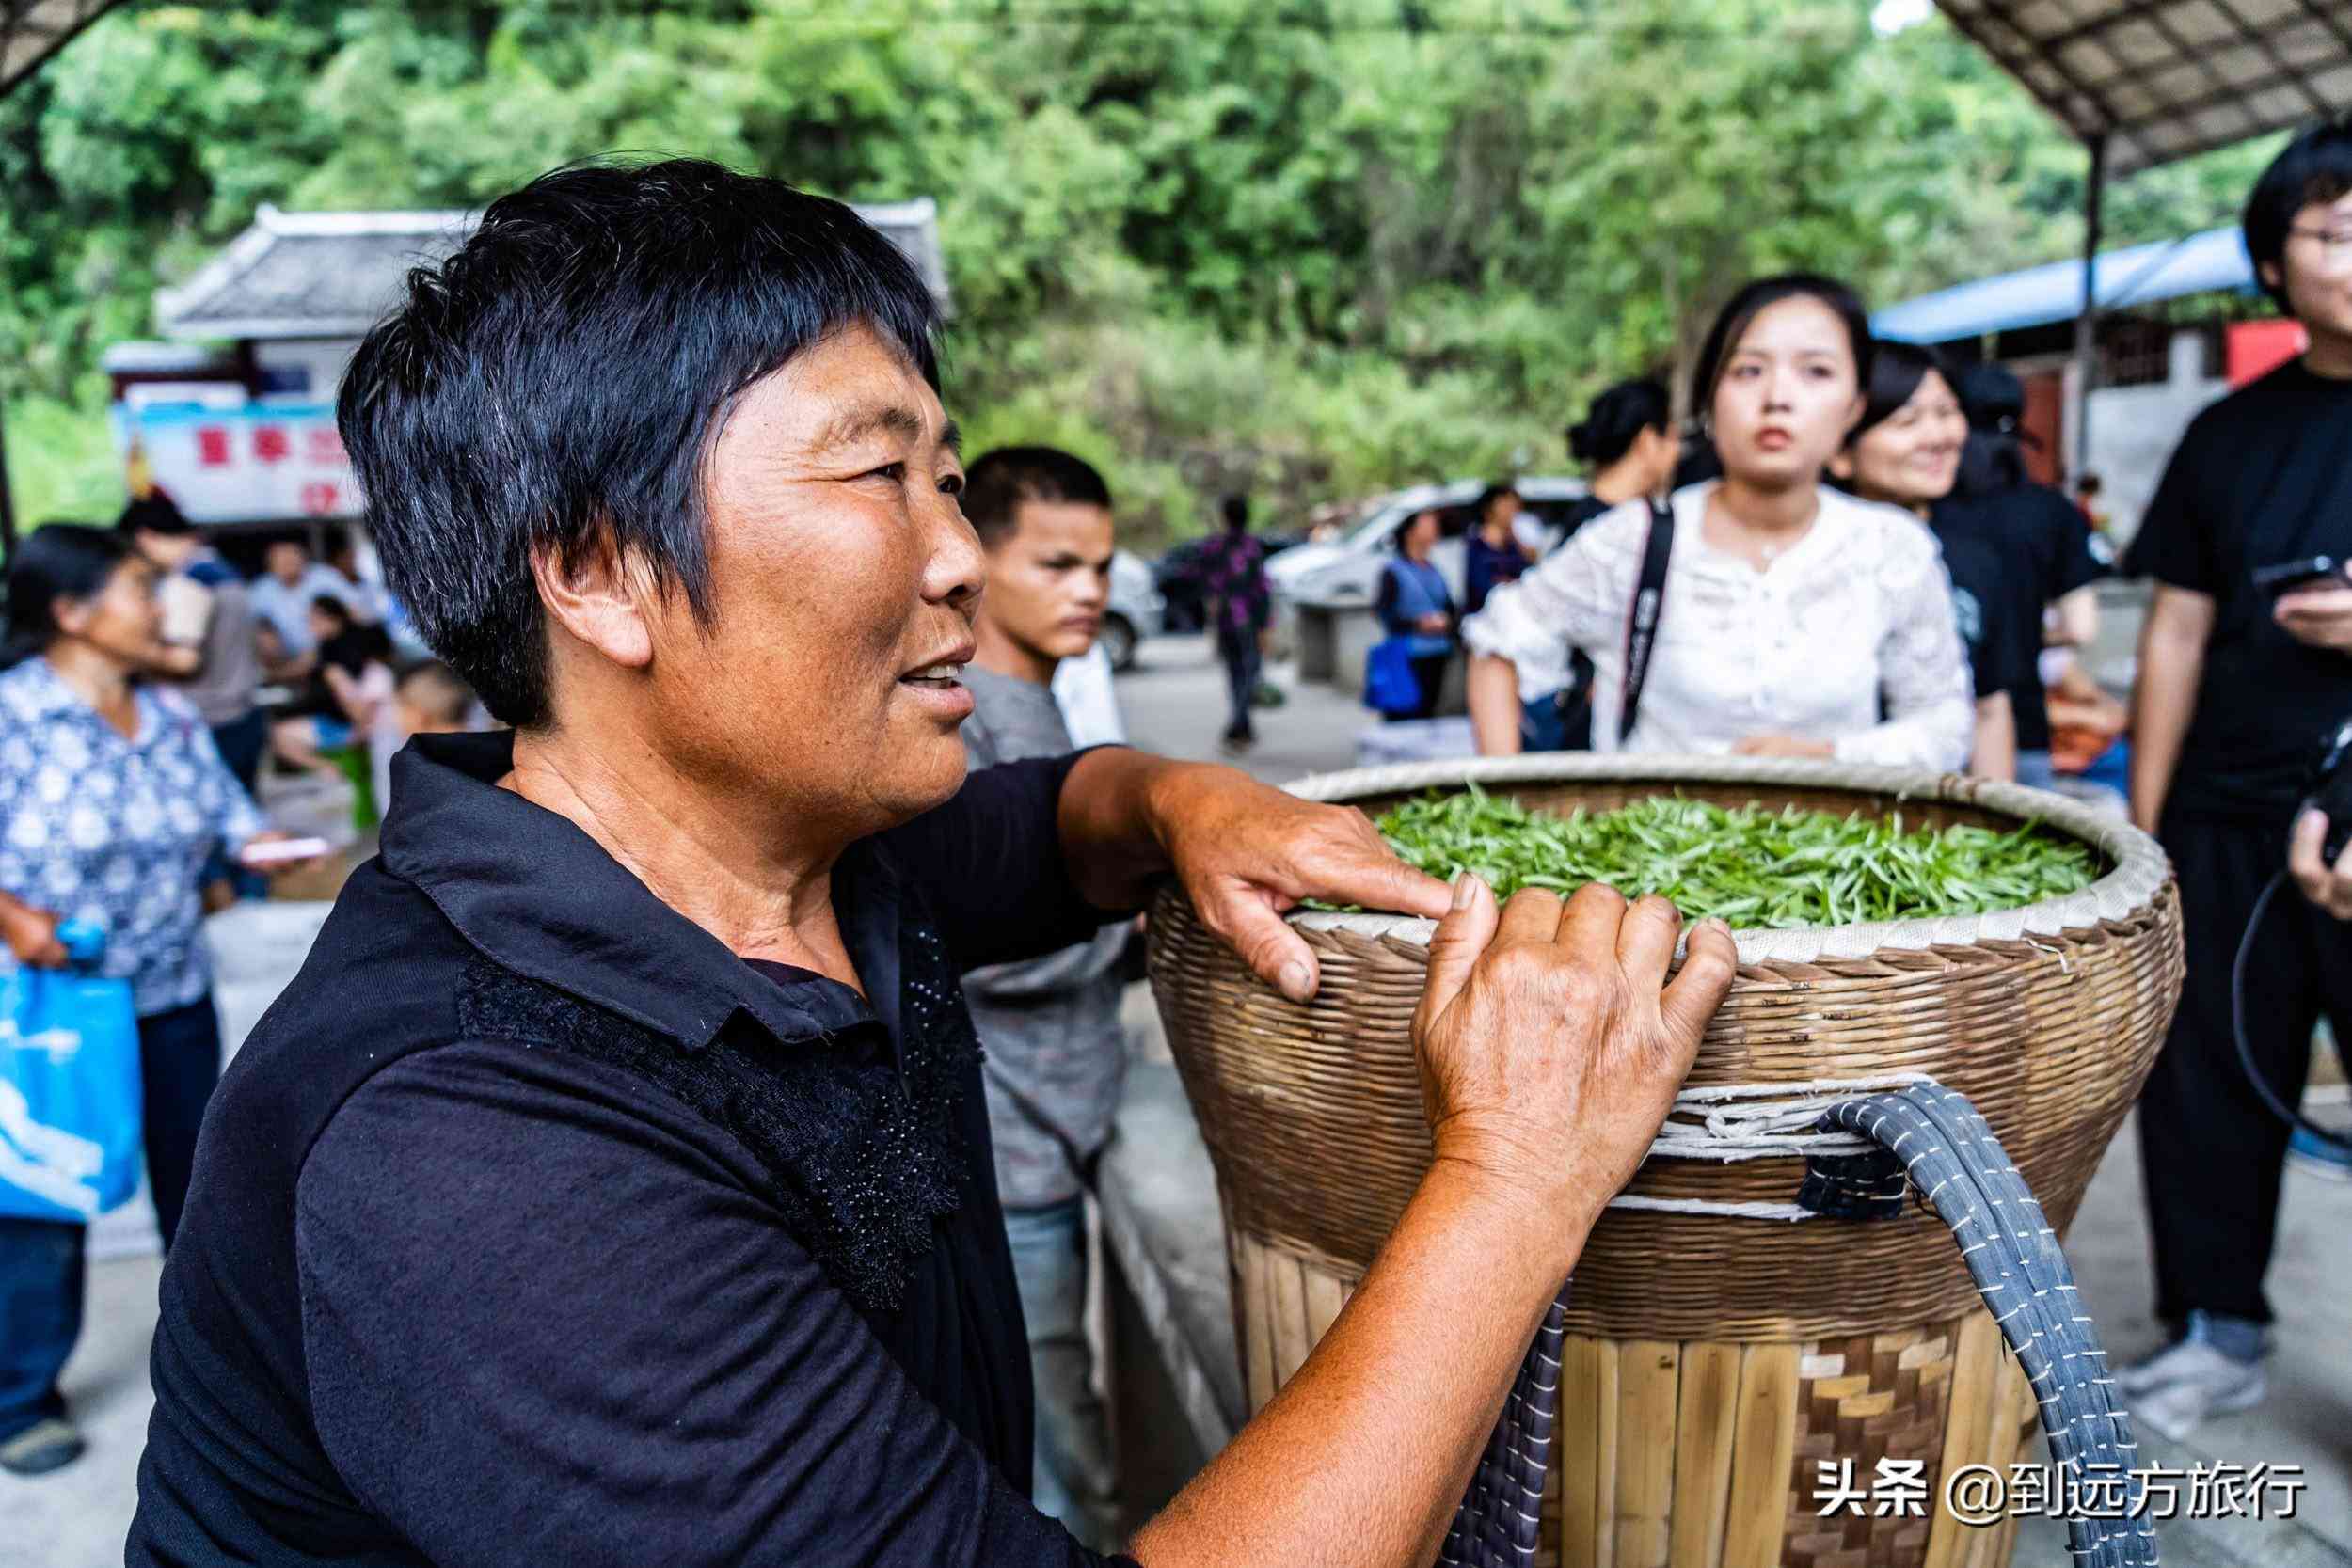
x,y
458,1284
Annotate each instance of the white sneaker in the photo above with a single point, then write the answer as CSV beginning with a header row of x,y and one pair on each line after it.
x,y
2189,1357
2180,1386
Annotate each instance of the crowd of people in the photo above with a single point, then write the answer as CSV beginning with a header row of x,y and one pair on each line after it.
x,y
134,727
609,1173
1789,621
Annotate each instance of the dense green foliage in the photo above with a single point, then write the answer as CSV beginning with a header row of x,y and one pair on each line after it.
x,y
1315,245
1750,867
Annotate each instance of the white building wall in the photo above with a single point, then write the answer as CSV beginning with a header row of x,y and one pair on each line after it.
x,y
321,359
2133,430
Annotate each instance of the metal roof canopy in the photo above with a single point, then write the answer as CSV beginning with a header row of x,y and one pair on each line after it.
x,y
2147,82
2160,80
32,30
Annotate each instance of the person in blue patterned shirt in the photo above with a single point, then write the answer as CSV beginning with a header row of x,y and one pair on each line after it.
x,y
112,798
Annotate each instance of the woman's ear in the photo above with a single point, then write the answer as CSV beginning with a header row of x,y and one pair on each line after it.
x,y
598,596
72,616
1841,465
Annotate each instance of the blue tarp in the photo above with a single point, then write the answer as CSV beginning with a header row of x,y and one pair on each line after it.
x,y
2039,295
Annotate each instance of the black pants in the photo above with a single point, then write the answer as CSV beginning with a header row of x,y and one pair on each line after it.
x,y
40,1260
2212,1152
1242,662
241,743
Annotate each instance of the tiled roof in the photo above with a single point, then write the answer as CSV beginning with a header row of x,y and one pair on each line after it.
x,y
332,275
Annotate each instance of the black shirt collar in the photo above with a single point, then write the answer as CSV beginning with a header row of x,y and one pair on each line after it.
x,y
530,891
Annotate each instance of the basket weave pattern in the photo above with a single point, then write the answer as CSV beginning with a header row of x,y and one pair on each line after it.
x,y
1313,1111
1713,1362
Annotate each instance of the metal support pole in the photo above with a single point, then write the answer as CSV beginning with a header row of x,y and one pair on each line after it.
x,y
2087,324
7,502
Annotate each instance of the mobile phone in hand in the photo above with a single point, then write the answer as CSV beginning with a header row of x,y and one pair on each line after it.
x,y
277,851
2318,571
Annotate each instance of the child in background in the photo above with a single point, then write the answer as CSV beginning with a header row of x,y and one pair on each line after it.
x,y
428,700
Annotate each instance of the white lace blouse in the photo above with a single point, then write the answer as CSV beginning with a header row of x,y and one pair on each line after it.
x,y
1858,608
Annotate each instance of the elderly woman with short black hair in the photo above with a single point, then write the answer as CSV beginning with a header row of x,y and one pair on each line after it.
x,y
613,1186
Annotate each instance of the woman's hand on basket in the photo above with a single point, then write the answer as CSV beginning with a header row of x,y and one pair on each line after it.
x,y
1245,851
1551,1044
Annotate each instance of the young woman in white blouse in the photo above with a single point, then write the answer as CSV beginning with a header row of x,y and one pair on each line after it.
x,y
1797,621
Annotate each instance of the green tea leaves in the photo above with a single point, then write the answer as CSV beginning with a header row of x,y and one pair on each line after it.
x,y
1752,866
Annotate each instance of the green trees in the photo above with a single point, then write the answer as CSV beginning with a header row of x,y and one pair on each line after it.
x,y
1316,246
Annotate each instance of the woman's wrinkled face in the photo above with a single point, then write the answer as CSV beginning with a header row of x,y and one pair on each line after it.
x,y
1911,457
843,582
1421,534
1788,394
122,620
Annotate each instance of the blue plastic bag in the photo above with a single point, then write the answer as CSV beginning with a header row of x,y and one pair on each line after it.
x,y
69,1097
1390,684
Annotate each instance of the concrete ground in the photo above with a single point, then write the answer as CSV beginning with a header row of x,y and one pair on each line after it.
x,y
77,1518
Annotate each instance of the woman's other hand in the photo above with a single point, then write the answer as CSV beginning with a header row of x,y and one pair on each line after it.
x,y
2329,887
1551,1044
31,935
1247,852
1433,622
269,865
1782,746
2317,617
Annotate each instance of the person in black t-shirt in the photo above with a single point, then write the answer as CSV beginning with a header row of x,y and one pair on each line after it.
x,y
2236,694
2048,554
1906,454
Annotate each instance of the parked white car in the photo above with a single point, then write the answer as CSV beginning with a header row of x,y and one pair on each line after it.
x,y
1347,570
1135,610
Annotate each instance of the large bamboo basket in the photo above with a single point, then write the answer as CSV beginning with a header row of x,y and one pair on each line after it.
x,y
1711,1360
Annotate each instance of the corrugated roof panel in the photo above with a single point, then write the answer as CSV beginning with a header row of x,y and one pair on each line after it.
x,y
2036,296
2167,79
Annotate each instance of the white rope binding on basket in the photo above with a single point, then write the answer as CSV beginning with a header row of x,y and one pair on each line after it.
x,y
1776,1128
2138,875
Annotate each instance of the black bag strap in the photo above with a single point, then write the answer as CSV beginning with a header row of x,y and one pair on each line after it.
x,y
1641,623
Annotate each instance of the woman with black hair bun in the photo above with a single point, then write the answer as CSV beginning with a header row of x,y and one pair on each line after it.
x,y
1626,440
1785,610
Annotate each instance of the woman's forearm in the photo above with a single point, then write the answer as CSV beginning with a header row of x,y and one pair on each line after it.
x,y
2076,620
1995,756
2164,698
1494,705
1362,1457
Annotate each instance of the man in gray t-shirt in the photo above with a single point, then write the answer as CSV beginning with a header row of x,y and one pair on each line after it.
x,y
1056,1054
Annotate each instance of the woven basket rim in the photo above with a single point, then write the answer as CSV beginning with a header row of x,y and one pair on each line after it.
x,y
2139,873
